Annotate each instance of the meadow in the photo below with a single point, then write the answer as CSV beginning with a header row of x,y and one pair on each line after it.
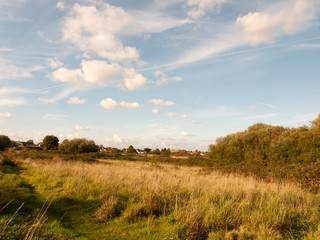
x,y
119,199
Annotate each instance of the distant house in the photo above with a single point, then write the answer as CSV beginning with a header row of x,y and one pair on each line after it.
x,y
140,151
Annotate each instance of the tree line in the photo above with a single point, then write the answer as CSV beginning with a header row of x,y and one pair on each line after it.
x,y
266,142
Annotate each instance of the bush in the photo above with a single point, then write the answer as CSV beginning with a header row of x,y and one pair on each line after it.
x,y
78,145
5,142
50,142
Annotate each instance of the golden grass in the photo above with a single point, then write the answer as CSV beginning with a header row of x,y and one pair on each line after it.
x,y
199,203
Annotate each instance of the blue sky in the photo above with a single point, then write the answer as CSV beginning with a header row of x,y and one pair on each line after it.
x,y
162,73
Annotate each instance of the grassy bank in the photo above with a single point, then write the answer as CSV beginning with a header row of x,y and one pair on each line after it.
x,y
139,200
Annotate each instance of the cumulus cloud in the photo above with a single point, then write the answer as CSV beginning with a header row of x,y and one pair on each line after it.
x,y
194,122
60,6
48,100
8,71
161,102
253,107
76,100
53,63
5,115
118,141
93,29
199,7
185,134
81,128
171,114
109,103
184,116
261,27
133,80
93,72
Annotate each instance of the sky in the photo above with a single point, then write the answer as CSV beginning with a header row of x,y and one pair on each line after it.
x,y
156,73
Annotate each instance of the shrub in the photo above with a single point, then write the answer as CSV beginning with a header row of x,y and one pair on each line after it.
x,y
78,145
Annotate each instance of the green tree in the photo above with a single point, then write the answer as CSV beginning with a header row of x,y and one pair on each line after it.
x,y
5,142
156,151
78,145
50,142
147,150
131,149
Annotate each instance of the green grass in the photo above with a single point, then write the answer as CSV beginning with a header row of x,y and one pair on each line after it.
x,y
149,200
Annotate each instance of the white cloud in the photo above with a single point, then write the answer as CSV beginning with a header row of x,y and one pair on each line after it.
x,y
308,46
161,102
5,115
185,134
253,107
8,71
114,139
53,63
298,119
53,117
262,27
155,111
171,114
194,122
4,49
48,100
269,105
152,22
93,72
199,7
215,113
81,128
76,100
133,80
12,102
163,79
262,116
109,103
184,116
93,29
120,142
60,6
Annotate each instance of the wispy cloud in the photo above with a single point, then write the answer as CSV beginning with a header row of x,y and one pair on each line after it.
x,y
81,128
54,117
12,102
9,71
5,115
269,105
298,119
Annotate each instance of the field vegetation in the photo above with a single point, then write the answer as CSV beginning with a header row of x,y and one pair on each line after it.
x,y
112,199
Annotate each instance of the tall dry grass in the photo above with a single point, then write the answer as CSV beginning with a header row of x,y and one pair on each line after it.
x,y
198,203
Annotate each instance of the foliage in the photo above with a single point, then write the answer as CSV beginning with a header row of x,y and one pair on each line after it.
x,y
147,150
156,151
265,142
78,145
50,142
5,142
165,151
131,149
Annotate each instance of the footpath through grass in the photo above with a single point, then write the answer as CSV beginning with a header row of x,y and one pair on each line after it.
x,y
139,200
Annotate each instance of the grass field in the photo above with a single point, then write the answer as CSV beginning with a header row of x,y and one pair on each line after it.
x,y
138,200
